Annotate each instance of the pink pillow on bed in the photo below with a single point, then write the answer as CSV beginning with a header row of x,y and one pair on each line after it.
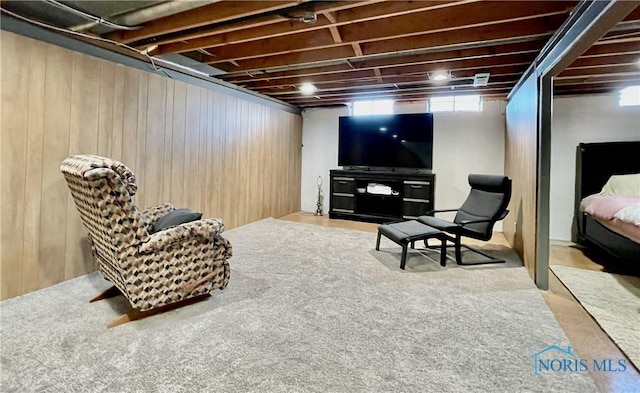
x,y
605,207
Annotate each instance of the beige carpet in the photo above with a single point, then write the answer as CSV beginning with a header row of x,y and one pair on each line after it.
x,y
613,300
307,309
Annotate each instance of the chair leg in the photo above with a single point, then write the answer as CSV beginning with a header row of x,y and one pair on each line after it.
x,y
403,260
458,251
443,251
378,241
109,293
459,246
491,259
135,315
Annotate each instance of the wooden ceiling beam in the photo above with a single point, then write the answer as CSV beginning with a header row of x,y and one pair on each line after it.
x,y
490,50
335,34
335,13
289,60
395,61
201,16
357,50
414,93
391,9
618,39
285,83
272,76
398,82
613,49
398,95
534,29
585,62
451,40
416,98
378,75
363,90
452,18
333,29
455,65
255,29
598,70
189,40
380,33
610,78
596,88
492,94
633,15
311,40
372,86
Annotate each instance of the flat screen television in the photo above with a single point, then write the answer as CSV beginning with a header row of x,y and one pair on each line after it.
x,y
386,141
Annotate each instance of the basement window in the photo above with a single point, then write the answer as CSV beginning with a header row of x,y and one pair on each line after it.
x,y
466,103
372,107
629,96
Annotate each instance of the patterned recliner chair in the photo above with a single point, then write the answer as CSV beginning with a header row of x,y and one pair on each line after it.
x,y
152,270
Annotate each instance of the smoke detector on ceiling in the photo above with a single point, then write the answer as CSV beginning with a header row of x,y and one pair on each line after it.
x,y
481,79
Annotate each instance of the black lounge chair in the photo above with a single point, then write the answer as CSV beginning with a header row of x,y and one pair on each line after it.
x,y
485,205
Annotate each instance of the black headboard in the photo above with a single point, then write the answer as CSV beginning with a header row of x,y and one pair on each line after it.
x,y
596,162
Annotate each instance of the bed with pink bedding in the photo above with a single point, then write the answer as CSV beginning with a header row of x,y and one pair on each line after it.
x,y
620,214
608,200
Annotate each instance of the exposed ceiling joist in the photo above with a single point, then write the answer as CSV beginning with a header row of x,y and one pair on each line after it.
x,y
201,16
376,34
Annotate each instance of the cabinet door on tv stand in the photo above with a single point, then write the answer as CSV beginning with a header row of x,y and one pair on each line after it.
x,y
343,194
343,185
417,198
418,189
342,203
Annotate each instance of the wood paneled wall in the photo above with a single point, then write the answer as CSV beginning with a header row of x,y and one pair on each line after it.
x,y
521,166
187,145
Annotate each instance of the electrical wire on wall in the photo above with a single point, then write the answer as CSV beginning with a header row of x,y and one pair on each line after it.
x,y
144,52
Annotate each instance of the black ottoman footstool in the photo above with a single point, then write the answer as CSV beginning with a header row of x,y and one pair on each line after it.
x,y
406,232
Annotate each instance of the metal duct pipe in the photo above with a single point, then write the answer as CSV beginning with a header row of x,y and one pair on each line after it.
x,y
160,10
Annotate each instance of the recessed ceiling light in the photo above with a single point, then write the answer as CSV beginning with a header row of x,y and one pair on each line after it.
x,y
307,89
439,75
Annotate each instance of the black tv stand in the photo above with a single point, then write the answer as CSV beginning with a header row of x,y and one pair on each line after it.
x,y
400,195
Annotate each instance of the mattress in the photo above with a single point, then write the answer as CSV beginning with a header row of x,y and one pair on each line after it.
x,y
620,214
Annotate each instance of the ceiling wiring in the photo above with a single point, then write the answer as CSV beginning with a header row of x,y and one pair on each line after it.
x,y
92,37
90,17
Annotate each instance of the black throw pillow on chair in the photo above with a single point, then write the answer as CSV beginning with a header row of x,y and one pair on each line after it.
x,y
175,217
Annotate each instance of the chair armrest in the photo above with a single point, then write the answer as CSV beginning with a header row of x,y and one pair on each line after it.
x,y
150,215
204,230
467,222
442,211
503,215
